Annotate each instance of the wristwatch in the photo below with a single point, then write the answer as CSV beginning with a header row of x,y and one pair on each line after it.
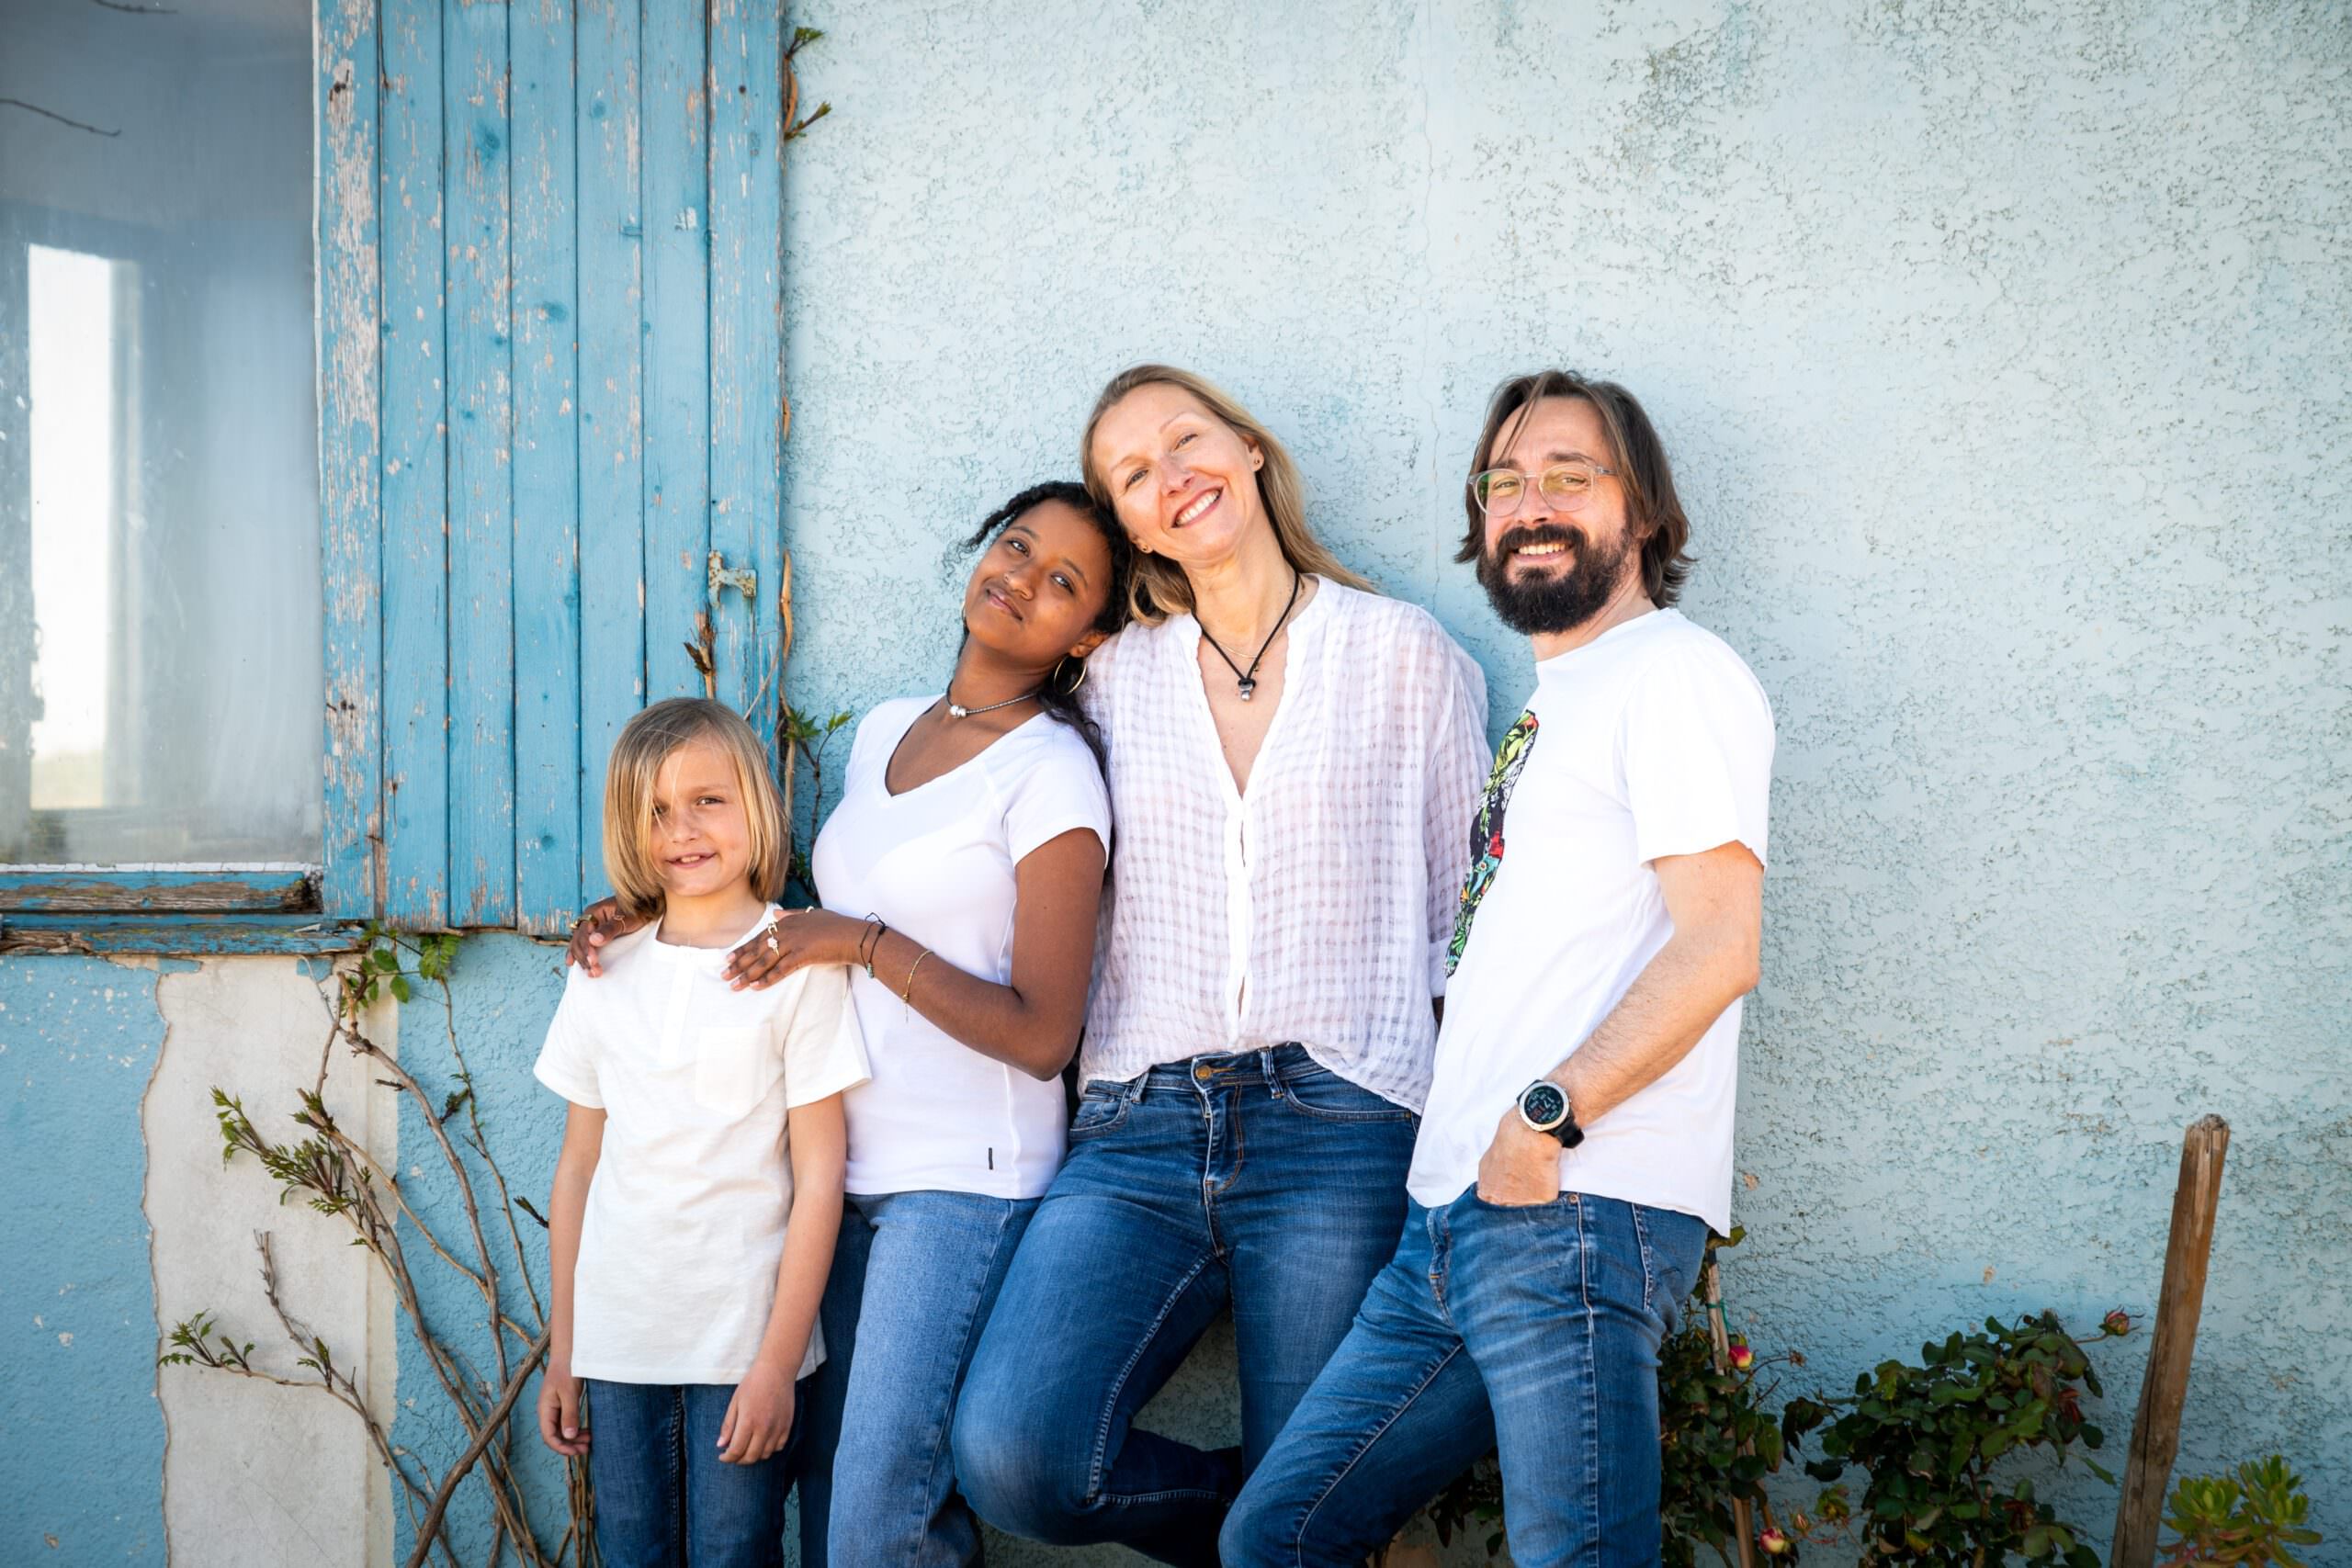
x,y
1543,1106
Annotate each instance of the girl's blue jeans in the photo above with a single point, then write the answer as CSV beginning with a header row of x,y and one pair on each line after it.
x,y
1257,1181
663,1498
914,1275
1535,1330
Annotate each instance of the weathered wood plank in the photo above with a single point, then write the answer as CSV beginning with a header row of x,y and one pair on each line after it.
x,y
547,468
746,90
185,935
482,432
47,891
415,482
612,418
350,461
2156,1431
675,121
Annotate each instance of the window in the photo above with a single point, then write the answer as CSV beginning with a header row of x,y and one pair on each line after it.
x,y
160,649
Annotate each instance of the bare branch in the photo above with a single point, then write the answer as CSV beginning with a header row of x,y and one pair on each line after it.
x,y
62,120
491,1427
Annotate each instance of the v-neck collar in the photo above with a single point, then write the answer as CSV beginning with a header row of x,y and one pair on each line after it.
x,y
1308,619
901,739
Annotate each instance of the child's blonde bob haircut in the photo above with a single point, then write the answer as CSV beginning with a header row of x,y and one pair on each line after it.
x,y
645,743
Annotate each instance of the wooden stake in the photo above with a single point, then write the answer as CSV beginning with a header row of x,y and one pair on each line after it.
x,y
1710,1285
2155,1431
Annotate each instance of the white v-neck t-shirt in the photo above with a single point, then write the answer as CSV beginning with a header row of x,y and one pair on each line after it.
x,y
686,1214
1653,740
937,864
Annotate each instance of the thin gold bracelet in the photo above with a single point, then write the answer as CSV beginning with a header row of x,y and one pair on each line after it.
x,y
907,992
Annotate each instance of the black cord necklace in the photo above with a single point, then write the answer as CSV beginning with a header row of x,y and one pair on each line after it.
x,y
1248,678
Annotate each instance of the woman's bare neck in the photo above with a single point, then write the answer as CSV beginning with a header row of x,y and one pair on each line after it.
x,y
1238,600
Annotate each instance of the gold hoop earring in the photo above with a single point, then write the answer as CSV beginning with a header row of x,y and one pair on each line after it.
x,y
1070,689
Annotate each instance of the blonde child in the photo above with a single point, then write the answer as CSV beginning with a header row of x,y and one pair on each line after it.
x,y
699,1191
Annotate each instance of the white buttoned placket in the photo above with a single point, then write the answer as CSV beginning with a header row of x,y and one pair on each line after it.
x,y
1343,832
1241,915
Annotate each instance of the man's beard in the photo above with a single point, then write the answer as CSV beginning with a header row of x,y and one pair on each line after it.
x,y
1557,602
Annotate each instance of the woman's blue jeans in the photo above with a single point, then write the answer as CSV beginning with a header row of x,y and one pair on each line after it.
x,y
914,1275
1255,1179
1534,1330
663,1498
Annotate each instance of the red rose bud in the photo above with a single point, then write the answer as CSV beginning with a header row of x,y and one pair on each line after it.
x,y
2117,1322
1774,1544
1742,1357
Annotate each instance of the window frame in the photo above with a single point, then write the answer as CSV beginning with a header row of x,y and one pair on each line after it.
x,y
266,907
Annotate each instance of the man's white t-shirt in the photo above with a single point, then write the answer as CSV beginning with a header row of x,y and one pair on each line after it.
x,y
1653,740
685,1218
937,864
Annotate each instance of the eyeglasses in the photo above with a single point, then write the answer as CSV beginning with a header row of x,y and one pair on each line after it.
x,y
1567,486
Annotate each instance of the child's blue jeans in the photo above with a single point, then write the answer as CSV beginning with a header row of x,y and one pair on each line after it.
x,y
664,1499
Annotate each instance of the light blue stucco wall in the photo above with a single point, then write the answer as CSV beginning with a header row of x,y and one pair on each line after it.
x,y
2002,349
506,989
80,1438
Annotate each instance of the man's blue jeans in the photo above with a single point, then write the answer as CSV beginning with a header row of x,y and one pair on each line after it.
x,y
663,1498
1533,1329
914,1276
1256,1179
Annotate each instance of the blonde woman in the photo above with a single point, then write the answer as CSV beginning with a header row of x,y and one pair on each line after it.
x,y
1293,760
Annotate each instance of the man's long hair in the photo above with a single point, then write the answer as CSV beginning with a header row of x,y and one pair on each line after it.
x,y
1653,511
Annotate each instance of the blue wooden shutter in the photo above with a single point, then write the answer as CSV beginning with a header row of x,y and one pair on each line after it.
x,y
551,367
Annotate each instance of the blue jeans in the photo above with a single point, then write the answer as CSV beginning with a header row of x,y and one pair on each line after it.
x,y
1257,1179
663,1498
914,1276
1533,1329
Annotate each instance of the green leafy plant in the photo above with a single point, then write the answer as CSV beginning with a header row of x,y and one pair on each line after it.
x,y
802,738
1717,1441
2254,1518
1471,1500
1928,1438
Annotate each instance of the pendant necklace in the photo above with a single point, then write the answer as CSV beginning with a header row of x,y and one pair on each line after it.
x,y
1248,678
956,710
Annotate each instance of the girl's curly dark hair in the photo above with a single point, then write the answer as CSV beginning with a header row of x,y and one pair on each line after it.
x,y
1059,696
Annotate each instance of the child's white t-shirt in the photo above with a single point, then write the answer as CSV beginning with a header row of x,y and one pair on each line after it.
x,y
937,863
686,1216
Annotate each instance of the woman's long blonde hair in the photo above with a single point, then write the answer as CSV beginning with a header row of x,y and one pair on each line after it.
x,y
645,743
1158,588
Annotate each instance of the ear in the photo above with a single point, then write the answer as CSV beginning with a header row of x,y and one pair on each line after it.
x,y
1089,643
1257,457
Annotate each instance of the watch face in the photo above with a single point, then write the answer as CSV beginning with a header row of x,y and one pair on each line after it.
x,y
1543,1104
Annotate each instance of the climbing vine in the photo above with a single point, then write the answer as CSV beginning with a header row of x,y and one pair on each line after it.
x,y
482,1373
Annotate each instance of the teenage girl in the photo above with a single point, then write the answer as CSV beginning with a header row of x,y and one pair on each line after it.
x,y
699,1193
961,875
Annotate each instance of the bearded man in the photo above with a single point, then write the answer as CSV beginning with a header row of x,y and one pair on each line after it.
x,y
1576,1143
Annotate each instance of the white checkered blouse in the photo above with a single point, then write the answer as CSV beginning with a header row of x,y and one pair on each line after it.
x,y
1317,907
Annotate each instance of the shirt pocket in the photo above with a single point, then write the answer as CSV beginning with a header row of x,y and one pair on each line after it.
x,y
733,1068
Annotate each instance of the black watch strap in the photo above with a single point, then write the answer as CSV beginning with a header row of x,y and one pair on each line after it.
x,y
1543,1106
